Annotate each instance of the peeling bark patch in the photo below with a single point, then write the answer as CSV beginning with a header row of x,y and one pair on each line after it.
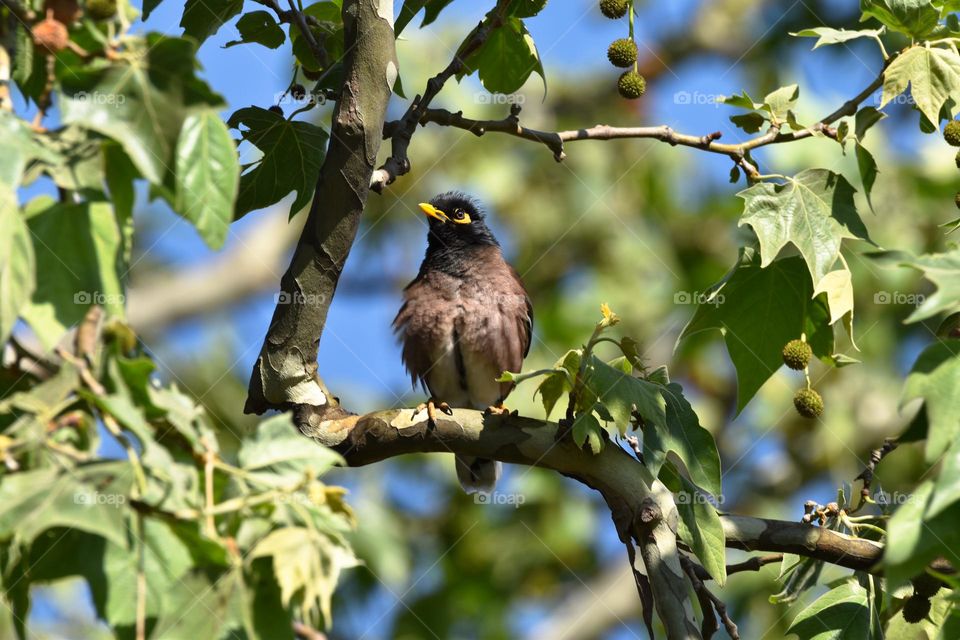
x,y
385,11
392,73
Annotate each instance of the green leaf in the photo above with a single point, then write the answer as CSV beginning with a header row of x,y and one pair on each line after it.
x,y
827,36
684,436
946,490
140,101
813,210
280,455
166,560
90,498
759,310
412,7
800,573
837,285
120,174
526,8
17,280
749,122
202,18
868,170
935,377
842,613
620,393
743,101
865,119
943,270
915,18
557,384
199,605
586,428
914,538
307,566
259,27
506,59
780,102
293,153
933,76
207,176
699,525
79,248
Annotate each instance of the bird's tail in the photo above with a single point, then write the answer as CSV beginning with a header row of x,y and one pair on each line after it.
x,y
478,475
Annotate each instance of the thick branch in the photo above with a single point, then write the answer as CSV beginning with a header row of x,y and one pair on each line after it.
x,y
621,480
285,372
642,508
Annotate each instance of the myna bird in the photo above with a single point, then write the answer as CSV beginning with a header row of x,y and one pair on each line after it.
x,y
465,319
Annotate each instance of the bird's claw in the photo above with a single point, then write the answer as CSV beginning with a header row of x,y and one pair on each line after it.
x,y
500,410
431,406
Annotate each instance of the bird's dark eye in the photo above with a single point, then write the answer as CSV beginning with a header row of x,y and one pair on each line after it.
x,y
460,216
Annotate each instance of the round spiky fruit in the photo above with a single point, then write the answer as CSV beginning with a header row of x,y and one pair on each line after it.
x,y
951,133
797,354
926,586
808,403
277,109
101,9
65,11
51,35
631,85
916,609
298,92
614,9
622,52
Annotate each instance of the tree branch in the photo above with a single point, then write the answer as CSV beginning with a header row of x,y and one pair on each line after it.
x,y
402,130
285,372
555,140
642,508
623,482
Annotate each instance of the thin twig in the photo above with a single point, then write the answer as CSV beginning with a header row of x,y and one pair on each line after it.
x,y
402,130
709,603
866,475
555,140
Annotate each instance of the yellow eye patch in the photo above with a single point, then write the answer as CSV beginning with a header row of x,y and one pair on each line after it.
x,y
460,217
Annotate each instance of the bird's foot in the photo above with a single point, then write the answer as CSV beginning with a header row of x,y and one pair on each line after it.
x,y
500,409
431,406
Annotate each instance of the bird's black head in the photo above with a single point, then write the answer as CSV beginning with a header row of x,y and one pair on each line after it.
x,y
456,223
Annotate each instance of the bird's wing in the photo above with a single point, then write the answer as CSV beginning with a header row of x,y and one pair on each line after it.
x,y
413,334
497,323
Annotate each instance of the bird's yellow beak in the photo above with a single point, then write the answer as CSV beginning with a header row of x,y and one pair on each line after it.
x,y
433,212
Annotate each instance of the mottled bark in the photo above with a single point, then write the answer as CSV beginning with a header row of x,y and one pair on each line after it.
x,y
285,372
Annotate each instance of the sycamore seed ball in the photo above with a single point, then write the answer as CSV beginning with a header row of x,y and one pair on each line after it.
x,y
916,609
51,35
101,9
951,133
797,354
926,586
808,403
622,52
631,85
613,9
